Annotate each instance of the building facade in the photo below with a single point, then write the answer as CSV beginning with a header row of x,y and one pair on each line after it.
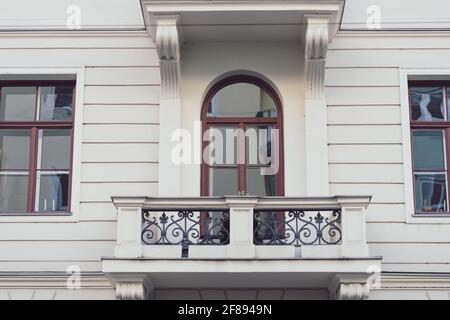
x,y
221,150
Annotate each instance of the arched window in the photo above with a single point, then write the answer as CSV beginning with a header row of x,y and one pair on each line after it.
x,y
242,139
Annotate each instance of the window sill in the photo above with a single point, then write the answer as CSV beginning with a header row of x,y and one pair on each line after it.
x,y
432,215
428,218
39,217
50,213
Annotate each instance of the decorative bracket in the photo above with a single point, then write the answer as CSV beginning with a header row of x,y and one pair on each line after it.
x,y
130,291
135,289
166,36
350,286
316,47
353,291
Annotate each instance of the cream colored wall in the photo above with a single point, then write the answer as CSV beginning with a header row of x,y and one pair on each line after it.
x,y
366,142
50,14
119,152
281,64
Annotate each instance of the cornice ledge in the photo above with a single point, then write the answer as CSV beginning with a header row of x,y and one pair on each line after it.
x,y
242,5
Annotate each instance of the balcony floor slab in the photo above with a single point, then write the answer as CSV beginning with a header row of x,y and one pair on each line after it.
x,y
244,273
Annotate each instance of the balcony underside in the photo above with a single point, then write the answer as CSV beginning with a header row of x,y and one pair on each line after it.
x,y
267,21
244,273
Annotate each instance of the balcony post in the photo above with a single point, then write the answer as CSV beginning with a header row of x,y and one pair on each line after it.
x,y
353,224
241,227
129,227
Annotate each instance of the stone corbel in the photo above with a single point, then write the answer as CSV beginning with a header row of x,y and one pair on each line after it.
x,y
167,41
130,291
134,290
350,287
353,291
316,47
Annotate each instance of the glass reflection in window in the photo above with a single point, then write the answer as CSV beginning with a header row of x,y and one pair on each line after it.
x,y
14,149
56,103
53,192
427,104
428,149
242,100
13,191
17,103
431,193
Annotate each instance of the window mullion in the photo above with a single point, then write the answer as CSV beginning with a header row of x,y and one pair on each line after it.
x,y
447,163
444,96
446,103
38,176
37,105
241,157
72,137
32,169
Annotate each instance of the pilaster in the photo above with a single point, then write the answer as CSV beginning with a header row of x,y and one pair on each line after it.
x,y
316,137
167,41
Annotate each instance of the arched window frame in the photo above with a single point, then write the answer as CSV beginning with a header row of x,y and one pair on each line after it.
x,y
242,122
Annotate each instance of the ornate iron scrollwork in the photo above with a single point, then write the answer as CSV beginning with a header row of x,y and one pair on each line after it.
x,y
297,227
185,227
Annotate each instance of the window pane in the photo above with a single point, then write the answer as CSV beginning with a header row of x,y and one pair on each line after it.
x,y
223,181
56,103
53,192
427,104
13,192
56,145
428,150
223,145
14,149
18,104
448,104
259,184
431,193
259,147
242,100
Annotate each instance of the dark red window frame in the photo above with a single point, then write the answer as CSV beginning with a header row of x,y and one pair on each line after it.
x,y
242,122
434,126
34,127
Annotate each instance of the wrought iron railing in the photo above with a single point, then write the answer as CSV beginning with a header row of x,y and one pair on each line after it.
x,y
239,227
185,227
297,227
212,227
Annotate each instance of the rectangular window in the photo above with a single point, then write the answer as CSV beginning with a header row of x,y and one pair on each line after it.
x,y
36,132
430,133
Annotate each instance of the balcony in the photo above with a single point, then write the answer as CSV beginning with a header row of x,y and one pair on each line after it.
x,y
240,241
